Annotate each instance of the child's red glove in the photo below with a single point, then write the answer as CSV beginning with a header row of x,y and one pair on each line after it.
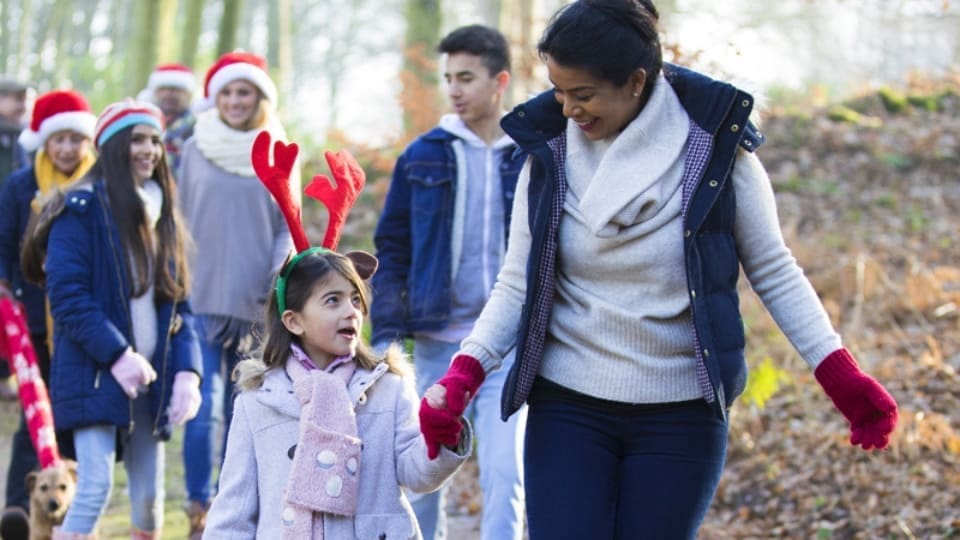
x,y
441,426
870,409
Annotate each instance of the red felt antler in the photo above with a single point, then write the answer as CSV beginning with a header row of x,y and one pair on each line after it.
x,y
16,346
338,198
338,195
276,178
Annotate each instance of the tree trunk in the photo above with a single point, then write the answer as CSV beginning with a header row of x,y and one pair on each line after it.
x,y
166,31
517,24
144,51
5,17
23,34
419,76
228,26
279,49
192,27
120,15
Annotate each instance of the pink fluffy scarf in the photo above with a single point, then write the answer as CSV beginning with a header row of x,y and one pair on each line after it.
x,y
324,477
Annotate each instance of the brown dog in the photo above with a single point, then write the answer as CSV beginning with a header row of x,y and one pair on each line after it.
x,y
51,492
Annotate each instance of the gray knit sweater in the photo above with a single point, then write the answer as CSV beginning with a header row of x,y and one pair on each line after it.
x,y
621,324
240,237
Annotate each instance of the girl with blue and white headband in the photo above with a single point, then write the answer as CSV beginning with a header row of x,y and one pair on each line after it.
x,y
126,366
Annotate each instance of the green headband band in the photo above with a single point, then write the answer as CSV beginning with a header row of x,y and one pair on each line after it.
x,y
282,278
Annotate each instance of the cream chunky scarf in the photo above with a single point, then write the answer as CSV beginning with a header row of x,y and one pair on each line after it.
x,y
229,148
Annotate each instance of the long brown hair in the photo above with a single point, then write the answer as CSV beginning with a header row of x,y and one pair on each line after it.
x,y
168,269
307,274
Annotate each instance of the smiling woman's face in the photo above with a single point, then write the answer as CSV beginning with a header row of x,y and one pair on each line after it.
x,y
237,103
146,151
66,149
600,108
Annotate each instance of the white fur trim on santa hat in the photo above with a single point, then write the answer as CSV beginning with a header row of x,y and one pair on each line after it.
x,y
79,121
235,72
172,78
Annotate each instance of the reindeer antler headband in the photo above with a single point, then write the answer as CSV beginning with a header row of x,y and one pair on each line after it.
x,y
338,199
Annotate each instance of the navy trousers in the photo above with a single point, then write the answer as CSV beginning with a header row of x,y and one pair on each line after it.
x,y
606,470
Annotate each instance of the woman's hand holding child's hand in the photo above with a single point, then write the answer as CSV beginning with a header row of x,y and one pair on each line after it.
x,y
443,403
185,400
131,371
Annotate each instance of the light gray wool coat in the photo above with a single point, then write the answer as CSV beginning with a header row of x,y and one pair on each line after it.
x,y
260,448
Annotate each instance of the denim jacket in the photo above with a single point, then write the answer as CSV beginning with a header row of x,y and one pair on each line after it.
x,y
414,239
720,125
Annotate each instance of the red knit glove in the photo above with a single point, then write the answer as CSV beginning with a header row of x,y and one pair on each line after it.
x,y
441,426
870,409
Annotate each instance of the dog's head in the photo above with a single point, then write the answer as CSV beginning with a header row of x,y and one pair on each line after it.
x,y
52,489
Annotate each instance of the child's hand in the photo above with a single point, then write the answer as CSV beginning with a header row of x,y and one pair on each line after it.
x,y
436,396
439,427
443,403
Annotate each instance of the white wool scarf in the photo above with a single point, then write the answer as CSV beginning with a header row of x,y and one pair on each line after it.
x,y
229,148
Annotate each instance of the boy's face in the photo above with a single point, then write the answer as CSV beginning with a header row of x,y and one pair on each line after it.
x,y
474,92
13,105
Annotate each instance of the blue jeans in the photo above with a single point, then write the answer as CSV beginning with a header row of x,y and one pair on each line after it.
x,y
199,434
143,460
603,470
499,446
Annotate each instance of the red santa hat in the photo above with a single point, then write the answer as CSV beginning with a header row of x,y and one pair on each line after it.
x,y
57,111
235,66
172,76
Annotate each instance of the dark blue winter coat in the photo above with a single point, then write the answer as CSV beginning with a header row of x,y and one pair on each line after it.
x,y
15,197
89,293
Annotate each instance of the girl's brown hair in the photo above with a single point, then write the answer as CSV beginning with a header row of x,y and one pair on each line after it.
x,y
301,281
168,269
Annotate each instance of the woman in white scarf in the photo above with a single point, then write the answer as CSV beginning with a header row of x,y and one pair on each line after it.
x,y
241,241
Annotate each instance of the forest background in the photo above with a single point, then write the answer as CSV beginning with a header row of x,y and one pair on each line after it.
x,y
861,110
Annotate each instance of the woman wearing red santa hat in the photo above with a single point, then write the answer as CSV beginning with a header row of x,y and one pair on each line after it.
x,y
59,135
126,358
241,241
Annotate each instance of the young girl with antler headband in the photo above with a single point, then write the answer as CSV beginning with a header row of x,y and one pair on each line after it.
x,y
324,432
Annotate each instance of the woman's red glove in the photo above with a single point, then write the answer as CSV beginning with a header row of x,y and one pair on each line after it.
x,y
440,417
870,409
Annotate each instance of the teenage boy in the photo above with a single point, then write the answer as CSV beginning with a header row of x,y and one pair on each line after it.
x,y
441,240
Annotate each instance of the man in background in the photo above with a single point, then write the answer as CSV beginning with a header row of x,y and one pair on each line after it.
x,y
13,109
170,87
